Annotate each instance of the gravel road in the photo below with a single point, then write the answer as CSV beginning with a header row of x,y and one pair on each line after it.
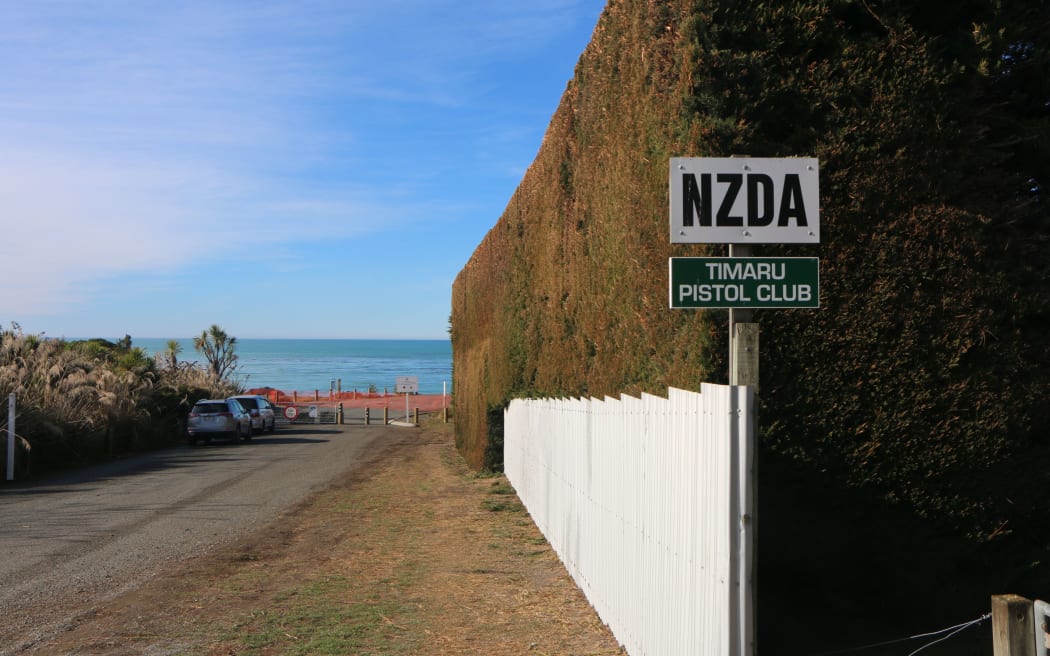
x,y
75,540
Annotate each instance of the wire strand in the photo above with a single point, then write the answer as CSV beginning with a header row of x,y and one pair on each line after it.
x,y
954,629
960,629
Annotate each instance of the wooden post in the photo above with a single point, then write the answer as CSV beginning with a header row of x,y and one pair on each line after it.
x,y
444,415
339,414
1013,626
386,416
741,359
368,414
317,396
745,355
415,416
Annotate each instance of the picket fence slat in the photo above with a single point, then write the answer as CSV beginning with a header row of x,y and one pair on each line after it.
x,y
645,501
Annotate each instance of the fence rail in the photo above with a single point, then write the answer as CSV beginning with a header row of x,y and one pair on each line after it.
x,y
336,413
648,503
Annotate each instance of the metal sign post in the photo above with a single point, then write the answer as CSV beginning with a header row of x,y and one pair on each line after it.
x,y
408,385
743,201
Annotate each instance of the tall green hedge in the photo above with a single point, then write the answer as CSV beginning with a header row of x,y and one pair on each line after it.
x,y
921,378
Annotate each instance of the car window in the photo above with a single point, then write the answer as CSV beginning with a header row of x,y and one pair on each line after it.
x,y
249,404
210,408
237,407
264,404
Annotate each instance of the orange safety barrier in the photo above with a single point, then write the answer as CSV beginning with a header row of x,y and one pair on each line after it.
x,y
355,399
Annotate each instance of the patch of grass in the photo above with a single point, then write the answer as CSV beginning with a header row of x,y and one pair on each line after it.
x,y
501,487
314,619
504,497
484,474
502,505
348,506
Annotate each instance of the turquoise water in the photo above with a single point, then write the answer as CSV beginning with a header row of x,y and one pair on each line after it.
x,y
306,365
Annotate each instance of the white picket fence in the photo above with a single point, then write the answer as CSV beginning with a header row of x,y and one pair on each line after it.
x,y
649,503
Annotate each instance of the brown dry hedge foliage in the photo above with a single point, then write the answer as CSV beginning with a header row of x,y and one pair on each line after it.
x,y
921,378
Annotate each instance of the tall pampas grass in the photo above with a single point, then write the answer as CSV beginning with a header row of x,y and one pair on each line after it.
x,y
79,401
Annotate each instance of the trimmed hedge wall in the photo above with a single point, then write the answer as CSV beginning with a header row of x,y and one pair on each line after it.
x,y
921,378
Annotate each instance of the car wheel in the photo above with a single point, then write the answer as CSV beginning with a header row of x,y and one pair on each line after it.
x,y
273,425
248,435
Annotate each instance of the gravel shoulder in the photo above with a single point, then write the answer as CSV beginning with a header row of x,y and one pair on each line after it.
x,y
405,552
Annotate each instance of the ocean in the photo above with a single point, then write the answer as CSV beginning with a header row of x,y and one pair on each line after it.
x,y
305,365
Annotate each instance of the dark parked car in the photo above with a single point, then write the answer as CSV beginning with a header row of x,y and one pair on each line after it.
x,y
218,417
261,410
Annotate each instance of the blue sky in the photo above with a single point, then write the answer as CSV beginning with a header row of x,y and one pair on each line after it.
x,y
169,165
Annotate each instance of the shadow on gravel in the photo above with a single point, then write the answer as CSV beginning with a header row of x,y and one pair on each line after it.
x,y
307,431
177,457
136,465
263,441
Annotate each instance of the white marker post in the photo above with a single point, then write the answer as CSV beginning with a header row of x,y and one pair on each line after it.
x,y
11,437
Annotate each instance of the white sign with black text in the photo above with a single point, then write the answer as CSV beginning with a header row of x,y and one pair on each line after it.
x,y
745,200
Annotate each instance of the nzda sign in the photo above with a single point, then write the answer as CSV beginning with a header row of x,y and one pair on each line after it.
x,y
745,200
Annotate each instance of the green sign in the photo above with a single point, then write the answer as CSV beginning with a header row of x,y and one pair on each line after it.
x,y
744,282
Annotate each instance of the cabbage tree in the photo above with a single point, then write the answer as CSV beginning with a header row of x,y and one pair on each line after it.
x,y
218,349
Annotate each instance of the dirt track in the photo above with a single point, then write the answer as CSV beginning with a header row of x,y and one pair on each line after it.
x,y
407,553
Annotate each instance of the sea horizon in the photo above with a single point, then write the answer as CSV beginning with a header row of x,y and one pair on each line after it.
x,y
324,364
